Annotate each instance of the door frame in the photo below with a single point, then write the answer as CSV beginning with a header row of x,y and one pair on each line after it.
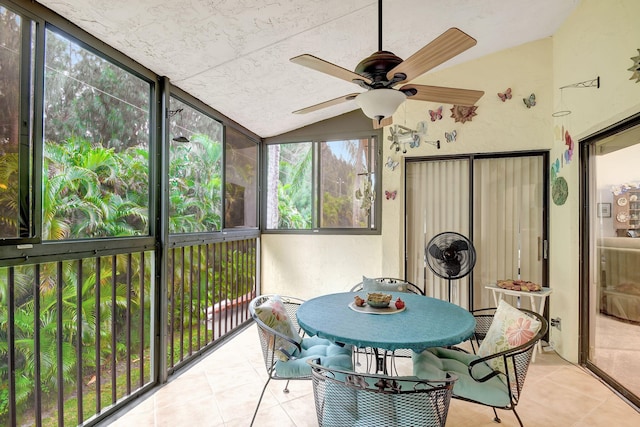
x,y
586,146
494,155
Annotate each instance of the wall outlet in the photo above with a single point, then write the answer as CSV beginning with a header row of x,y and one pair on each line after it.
x,y
555,322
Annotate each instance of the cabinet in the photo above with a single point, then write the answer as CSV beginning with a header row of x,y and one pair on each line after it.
x,y
626,211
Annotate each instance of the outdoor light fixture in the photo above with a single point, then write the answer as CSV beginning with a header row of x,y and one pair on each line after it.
x,y
379,104
171,113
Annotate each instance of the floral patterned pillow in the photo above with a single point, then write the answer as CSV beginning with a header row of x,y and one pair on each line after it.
x,y
273,313
509,329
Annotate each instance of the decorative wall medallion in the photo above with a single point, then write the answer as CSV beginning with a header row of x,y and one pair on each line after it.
x,y
635,68
559,191
463,113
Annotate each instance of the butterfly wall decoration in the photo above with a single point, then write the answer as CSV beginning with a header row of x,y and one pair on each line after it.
x,y
390,194
436,114
505,95
392,164
451,136
530,101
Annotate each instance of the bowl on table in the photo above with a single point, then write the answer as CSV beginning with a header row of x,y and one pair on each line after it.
x,y
378,300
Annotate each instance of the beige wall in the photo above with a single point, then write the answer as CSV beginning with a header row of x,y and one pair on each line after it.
x,y
306,266
597,40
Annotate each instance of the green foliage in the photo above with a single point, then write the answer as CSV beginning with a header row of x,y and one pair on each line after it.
x,y
195,185
290,217
91,191
96,183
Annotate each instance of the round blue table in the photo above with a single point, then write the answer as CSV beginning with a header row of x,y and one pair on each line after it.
x,y
425,322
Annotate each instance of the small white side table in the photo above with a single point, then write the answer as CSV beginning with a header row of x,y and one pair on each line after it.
x,y
541,295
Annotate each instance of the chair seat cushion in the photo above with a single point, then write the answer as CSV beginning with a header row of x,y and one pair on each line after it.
x,y
331,355
435,363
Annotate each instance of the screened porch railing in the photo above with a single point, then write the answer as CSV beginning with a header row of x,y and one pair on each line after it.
x,y
76,335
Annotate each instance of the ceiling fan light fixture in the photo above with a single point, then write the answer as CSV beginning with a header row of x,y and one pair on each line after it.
x,y
379,104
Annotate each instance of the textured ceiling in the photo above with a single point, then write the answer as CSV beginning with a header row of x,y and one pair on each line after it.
x,y
234,54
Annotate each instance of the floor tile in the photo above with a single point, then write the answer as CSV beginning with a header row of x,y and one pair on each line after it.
x,y
223,390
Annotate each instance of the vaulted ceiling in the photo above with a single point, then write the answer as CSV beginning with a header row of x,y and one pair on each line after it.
x,y
234,54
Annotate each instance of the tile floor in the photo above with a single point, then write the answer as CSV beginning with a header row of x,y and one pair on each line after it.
x,y
223,388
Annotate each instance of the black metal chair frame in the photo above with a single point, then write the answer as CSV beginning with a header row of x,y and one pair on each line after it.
x,y
436,394
268,337
517,358
411,287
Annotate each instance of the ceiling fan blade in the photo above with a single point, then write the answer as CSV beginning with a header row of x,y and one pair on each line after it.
x,y
323,66
326,104
447,45
445,95
385,122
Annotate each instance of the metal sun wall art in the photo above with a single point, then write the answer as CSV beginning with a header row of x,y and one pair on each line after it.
x,y
635,68
463,113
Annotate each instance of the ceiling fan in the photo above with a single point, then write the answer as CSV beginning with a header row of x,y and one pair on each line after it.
x,y
382,71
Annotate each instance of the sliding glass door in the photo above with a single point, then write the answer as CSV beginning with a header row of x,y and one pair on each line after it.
x,y
498,202
437,197
610,312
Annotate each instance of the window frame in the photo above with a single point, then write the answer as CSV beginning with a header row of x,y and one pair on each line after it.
x,y
31,76
189,101
374,154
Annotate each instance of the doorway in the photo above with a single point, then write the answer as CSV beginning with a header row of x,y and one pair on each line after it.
x,y
498,201
610,241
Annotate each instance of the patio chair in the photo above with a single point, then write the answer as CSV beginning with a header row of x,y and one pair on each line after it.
x,y
384,284
504,342
345,398
284,351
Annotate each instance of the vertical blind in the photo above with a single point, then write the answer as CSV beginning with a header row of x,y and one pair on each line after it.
x,y
506,217
437,201
508,222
